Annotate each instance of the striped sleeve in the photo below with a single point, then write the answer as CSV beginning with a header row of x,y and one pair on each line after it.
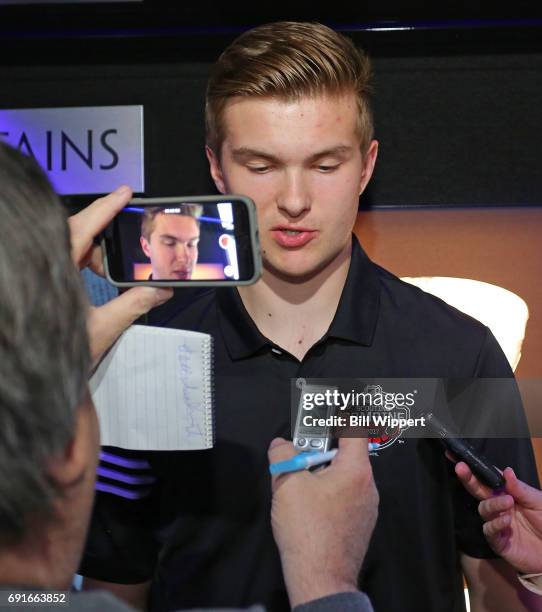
x,y
122,546
124,473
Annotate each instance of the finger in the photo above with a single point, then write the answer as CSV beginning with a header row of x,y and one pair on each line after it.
x,y
493,530
523,493
106,323
97,215
280,450
353,453
492,507
450,456
471,483
85,225
96,262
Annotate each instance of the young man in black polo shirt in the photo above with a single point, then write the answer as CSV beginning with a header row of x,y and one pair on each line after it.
x,y
49,434
289,125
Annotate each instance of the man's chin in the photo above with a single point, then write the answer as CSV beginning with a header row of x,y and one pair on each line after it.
x,y
173,276
294,274
303,270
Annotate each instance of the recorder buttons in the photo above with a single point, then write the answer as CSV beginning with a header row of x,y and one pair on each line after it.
x,y
301,442
316,443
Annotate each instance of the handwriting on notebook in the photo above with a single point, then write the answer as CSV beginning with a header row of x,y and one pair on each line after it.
x,y
190,391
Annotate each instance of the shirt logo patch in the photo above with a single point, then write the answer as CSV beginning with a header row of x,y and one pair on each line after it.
x,y
386,435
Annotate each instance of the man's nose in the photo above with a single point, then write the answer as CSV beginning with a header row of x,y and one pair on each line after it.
x,y
294,197
181,252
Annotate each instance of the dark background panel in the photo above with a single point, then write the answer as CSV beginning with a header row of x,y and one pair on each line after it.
x,y
459,130
458,105
237,13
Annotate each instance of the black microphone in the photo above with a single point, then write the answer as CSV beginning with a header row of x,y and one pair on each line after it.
x,y
481,467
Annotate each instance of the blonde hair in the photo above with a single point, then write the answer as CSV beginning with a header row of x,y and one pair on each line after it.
x,y
288,60
150,213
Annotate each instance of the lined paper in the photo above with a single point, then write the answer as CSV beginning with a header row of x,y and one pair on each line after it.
x,y
153,390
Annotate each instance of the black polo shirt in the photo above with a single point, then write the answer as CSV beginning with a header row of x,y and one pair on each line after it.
x,y
204,533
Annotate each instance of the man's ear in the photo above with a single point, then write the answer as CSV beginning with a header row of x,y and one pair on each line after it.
x,y
215,169
145,246
368,165
69,467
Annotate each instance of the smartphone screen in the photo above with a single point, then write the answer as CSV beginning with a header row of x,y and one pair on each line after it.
x,y
182,241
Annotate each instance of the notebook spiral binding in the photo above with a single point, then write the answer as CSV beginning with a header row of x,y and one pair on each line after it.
x,y
209,392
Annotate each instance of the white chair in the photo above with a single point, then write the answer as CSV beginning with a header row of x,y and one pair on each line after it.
x,y
504,312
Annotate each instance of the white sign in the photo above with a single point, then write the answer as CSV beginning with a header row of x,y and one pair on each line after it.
x,y
84,150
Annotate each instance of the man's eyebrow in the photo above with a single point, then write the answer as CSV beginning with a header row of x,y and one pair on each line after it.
x,y
338,151
244,153
170,237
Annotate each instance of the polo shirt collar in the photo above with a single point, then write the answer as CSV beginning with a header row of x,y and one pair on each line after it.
x,y
355,319
241,336
357,312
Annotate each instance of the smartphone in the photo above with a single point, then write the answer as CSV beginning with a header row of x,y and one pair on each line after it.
x,y
183,241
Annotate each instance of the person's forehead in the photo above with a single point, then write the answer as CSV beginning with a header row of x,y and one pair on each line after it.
x,y
308,124
174,223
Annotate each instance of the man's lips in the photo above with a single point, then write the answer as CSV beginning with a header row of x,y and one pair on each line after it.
x,y
292,237
180,274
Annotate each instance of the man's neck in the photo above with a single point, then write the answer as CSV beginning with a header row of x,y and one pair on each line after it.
x,y
296,315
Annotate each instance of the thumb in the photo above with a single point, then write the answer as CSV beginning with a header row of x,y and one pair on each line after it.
x,y
280,450
353,452
87,223
521,492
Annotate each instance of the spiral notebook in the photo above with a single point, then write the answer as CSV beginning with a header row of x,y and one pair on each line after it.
x,y
154,391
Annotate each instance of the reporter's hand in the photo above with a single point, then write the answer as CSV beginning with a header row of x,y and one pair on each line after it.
x,y
106,323
323,521
513,520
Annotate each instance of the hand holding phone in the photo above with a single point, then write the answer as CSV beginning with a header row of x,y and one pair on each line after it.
x,y
106,323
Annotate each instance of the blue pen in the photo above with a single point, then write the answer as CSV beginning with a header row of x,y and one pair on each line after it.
x,y
307,459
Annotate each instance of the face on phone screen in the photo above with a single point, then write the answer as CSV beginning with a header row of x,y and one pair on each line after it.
x,y
181,241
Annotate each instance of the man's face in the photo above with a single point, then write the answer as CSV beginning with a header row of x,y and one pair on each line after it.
x,y
301,164
172,246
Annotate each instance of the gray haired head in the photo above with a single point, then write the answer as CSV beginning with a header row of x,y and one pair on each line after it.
x,y
44,356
